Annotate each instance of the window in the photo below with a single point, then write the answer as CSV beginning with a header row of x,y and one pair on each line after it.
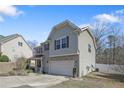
x,y
46,47
20,44
62,43
89,48
57,44
65,42
38,50
41,50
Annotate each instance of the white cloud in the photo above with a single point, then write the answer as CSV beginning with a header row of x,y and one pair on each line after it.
x,y
1,19
10,11
120,11
107,18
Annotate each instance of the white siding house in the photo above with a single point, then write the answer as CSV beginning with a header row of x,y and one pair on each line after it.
x,y
14,46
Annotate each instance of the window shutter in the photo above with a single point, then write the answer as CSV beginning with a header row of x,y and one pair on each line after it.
x,y
67,41
55,44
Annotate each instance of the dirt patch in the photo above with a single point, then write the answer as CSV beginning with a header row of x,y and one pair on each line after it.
x,y
95,80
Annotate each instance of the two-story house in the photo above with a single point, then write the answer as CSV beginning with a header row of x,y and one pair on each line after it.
x,y
68,47
15,46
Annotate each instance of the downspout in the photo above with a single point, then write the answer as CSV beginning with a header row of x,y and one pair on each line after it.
x,y
78,63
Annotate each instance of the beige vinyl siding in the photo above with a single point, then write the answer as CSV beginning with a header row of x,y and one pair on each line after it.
x,y
86,58
14,51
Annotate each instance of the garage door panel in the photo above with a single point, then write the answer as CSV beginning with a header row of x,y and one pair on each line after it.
x,y
62,67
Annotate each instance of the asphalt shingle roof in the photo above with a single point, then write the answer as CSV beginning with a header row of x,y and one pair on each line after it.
x,y
4,39
1,36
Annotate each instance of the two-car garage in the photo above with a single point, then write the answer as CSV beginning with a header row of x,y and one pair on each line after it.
x,y
61,67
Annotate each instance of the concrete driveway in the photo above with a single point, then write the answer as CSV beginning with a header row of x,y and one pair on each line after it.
x,y
31,81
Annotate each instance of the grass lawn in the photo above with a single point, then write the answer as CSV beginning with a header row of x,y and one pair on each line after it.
x,y
94,80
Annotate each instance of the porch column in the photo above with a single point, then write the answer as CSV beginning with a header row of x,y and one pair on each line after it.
x,y
35,65
41,68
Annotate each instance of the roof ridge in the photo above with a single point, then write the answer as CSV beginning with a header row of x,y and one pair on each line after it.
x,y
9,37
65,21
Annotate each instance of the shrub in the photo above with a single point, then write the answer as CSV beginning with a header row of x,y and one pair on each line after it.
x,y
21,63
19,73
4,58
20,69
0,53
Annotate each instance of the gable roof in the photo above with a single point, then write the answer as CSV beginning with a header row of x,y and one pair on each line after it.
x,y
66,22
1,36
76,29
90,33
4,39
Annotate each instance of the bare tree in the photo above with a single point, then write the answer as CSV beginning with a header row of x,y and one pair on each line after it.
x,y
110,44
33,43
107,40
114,43
100,31
119,55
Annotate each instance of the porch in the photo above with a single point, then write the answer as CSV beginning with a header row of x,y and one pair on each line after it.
x,y
36,64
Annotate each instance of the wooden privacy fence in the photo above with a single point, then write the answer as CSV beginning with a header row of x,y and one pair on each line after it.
x,y
6,67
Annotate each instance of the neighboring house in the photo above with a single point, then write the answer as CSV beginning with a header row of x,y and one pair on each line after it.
x,y
66,47
15,46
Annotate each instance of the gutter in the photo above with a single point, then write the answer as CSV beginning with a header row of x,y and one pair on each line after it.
x,y
64,55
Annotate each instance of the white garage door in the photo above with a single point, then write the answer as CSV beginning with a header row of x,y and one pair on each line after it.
x,y
62,67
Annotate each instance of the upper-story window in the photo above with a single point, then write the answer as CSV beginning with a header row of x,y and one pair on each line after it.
x,y
38,50
57,44
46,47
41,50
20,44
62,43
89,48
65,42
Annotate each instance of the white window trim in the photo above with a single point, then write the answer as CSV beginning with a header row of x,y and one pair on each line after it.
x,y
60,38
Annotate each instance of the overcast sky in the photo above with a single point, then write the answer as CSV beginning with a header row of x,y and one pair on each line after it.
x,y
35,22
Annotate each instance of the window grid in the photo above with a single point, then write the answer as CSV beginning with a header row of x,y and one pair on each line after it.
x,y
62,43
20,44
